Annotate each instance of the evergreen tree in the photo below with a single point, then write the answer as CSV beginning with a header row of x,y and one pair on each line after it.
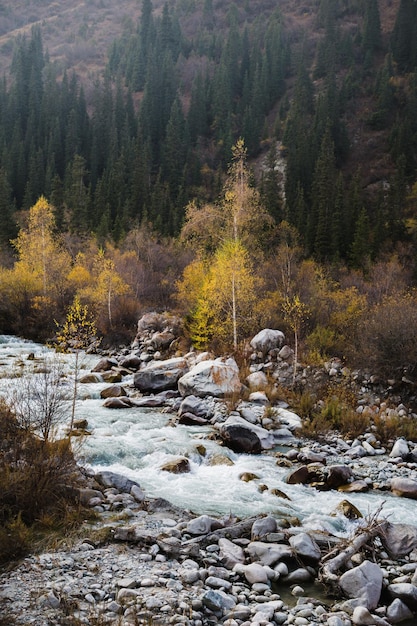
x,y
404,36
372,38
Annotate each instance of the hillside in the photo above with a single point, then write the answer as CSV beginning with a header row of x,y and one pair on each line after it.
x,y
144,101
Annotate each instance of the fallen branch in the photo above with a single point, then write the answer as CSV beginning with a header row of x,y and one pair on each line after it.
x,y
333,564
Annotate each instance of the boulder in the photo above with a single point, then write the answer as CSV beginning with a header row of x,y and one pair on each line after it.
x,y
405,487
257,381
230,553
397,612
268,553
305,547
114,391
216,377
118,403
400,449
91,378
118,481
162,340
241,436
111,376
131,362
177,466
347,509
105,364
406,592
218,600
160,375
364,584
195,405
399,539
288,418
266,340
338,475
263,526
203,525
255,573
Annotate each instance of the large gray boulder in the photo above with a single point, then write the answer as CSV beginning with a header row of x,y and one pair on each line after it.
x,y
363,584
404,487
406,592
160,375
399,539
305,547
215,377
242,436
268,553
266,340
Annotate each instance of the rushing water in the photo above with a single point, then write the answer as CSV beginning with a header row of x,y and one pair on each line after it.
x,y
137,442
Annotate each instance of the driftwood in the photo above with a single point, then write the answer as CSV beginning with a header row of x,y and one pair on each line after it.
x,y
336,560
233,531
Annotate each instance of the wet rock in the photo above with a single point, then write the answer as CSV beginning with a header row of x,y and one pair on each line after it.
x,y
241,436
122,402
219,459
364,584
404,487
91,379
118,481
105,364
160,375
218,378
111,376
115,391
347,509
177,466
356,486
338,475
300,475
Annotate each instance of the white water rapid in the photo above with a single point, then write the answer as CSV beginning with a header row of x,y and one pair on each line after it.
x,y
137,442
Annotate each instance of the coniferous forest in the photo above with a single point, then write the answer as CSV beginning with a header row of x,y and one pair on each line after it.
x,y
302,115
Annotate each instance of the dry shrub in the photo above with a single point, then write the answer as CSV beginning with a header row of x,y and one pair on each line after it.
x,y
388,428
36,482
334,411
387,337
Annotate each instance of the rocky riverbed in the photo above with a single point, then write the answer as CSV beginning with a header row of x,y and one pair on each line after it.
x,y
142,560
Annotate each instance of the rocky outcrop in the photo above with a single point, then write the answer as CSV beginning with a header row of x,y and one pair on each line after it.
x,y
160,375
214,377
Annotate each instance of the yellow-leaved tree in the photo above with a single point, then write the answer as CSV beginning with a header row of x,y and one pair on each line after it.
x,y
76,334
99,285
220,289
36,287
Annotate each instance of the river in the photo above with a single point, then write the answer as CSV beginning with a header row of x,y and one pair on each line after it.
x,y
137,442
